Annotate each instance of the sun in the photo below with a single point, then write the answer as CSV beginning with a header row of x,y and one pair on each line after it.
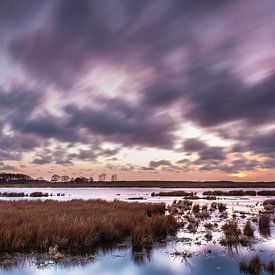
x,y
239,174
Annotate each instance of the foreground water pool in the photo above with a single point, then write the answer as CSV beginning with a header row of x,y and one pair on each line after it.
x,y
189,253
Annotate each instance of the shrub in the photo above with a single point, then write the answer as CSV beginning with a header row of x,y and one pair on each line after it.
x,y
248,229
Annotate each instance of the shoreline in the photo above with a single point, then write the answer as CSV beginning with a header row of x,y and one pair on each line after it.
x,y
140,184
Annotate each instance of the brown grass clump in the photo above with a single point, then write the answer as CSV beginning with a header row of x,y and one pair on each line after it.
x,y
38,194
248,229
221,206
192,227
196,208
213,206
231,232
208,235
208,225
264,226
253,267
80,226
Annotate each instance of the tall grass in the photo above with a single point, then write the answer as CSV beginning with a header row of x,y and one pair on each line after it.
x,y
248,229
253,267
79,226
232,233
264,226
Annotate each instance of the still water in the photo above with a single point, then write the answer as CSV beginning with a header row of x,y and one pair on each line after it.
x,y
206,257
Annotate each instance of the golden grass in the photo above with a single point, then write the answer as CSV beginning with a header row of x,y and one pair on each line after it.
x,y
77,225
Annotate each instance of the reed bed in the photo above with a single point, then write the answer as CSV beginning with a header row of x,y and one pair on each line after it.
x,y
12,194
78,225
178,193
230,193
22,194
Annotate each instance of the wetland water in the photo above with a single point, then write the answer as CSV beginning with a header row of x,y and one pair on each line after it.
x,y
188,253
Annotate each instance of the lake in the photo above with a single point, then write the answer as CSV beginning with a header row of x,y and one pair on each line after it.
x,y
188,253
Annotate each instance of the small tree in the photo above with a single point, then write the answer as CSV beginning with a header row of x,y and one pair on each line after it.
x,y
55,178
65,178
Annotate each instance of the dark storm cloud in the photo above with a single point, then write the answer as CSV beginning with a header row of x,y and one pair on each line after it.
x,y
14,13
221,98
260,144
140,127
159,163
193,145
82,33
193,49
17,105
18,101
205,152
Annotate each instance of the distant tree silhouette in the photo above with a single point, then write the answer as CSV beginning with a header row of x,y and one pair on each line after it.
x,y
102,177
14,177
65,178
81,180
55,178
114,177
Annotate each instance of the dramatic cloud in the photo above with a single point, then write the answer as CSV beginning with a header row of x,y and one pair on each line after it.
x,y
87,80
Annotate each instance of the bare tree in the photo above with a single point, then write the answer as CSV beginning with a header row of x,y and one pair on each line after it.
x,y
65,178
55,178
114,178
102,177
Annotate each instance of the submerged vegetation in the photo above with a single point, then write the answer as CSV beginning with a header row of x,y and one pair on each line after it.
x,y
79,226
255,266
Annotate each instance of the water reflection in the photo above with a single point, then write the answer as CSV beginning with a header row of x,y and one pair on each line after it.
x,y
189,253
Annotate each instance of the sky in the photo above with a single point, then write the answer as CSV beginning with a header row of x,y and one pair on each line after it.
x,y
179,89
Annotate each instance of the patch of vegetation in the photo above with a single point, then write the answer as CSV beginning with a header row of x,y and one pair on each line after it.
x,y
248,229
38,194
264,225
80,226
232,233
253,267
12,194
221,206
178,193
